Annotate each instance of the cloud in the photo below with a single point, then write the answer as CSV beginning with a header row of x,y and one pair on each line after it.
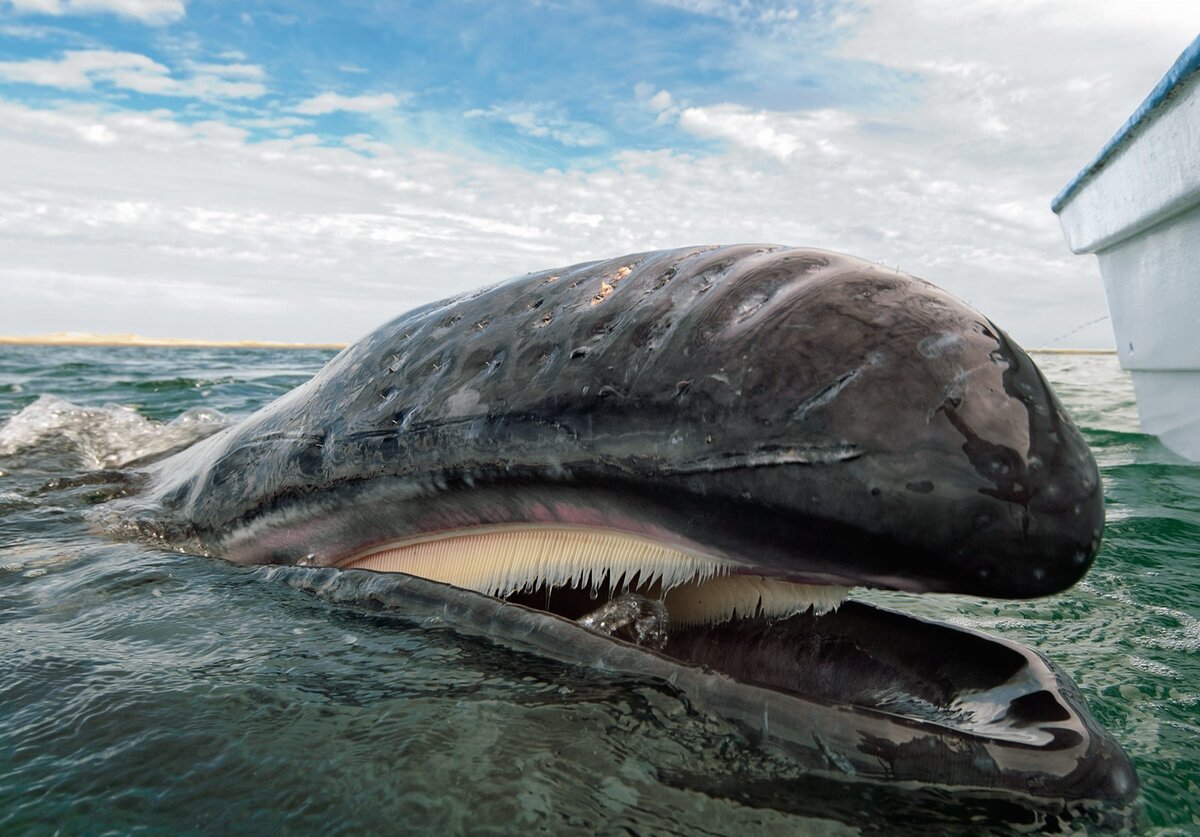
x,y
275,123
77,70
236,70
536,121
779,135
657,101
40,32
85,69
153,12
333,102
404,226
366,144
738,11
1053,90
947,176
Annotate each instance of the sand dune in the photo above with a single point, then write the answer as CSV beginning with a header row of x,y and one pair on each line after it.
x,y
80,338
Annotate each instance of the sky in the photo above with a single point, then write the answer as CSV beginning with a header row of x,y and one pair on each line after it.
x,y
304,171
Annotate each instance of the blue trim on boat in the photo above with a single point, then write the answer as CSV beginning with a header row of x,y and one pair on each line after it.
x,y
1187,65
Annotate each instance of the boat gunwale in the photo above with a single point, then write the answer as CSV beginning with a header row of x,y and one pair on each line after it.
x,y
1181,72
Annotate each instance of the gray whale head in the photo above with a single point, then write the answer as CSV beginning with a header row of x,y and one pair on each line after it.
x,y
794,413
742,432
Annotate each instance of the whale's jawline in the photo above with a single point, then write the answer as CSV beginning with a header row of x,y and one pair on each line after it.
x,y
858,693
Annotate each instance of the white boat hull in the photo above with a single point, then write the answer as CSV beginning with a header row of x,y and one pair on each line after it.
x,y
1137,207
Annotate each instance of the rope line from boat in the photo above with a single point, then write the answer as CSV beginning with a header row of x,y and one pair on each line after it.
x,y
1075,330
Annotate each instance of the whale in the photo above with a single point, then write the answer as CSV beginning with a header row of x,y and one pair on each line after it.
x,y
678,465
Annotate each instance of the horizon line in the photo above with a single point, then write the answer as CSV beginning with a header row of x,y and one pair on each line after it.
x,y
72,338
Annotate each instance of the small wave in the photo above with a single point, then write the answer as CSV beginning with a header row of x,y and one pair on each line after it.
x,y
175,384
111,436
12,501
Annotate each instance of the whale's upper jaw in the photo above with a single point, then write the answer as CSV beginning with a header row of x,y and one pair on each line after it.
x,y
810,414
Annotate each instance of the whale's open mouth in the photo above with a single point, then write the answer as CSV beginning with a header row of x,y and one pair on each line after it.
x,y
699,608
846,688
949,689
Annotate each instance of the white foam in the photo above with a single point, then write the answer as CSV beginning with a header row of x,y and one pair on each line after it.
x,y
102,437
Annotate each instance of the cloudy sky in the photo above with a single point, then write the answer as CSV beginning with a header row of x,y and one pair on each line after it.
x,y
304,170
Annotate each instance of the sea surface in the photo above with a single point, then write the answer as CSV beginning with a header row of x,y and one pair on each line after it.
x,y
144,690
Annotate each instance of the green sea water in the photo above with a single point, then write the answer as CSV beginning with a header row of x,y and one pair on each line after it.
x,y
144,690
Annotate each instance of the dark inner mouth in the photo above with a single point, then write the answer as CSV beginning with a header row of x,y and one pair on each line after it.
x,y
857,654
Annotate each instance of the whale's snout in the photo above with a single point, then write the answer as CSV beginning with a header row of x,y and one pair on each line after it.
x,y
1040,518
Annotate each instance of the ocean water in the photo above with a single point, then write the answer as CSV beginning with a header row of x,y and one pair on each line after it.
x,y
147,690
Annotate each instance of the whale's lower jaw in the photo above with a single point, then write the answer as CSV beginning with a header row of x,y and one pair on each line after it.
x,y
532,562
858,694
897,675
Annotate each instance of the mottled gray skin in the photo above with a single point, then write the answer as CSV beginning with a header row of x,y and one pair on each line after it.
x,y
806,414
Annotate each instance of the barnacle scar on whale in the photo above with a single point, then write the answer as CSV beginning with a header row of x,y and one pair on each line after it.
x,y
743,433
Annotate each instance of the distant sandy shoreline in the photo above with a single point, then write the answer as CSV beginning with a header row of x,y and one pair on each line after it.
x,y
73,338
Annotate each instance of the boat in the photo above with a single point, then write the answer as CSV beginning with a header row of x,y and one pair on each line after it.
x,y
1137,207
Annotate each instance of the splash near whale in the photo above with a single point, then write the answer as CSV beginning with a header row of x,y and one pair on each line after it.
x,y
677,464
